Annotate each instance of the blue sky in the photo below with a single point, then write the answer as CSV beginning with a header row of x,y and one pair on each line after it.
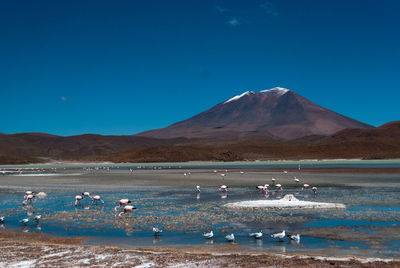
x,y
121,67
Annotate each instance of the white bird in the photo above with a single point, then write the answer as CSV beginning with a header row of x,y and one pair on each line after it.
x,y
208,235
273,179
157,231
241,172
305,186
279,186
256,235
279,235
223,188
314,189
24,221
2,219
295,237
197,188
223,175
37,218
296,180
230,238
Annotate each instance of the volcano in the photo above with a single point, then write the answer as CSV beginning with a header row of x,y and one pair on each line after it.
x,y
274,113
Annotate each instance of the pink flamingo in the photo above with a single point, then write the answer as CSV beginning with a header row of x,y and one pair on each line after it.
x,y
28,199
305,186
265,188
95,198
78,198
27,193
260,187
122,202
126,210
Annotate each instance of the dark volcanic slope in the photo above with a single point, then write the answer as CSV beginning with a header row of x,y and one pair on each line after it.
x,y
278,113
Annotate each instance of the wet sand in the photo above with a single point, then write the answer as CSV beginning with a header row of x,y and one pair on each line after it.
x,y
206,177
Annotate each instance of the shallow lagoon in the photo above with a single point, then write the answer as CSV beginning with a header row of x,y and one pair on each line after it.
x,y
369,226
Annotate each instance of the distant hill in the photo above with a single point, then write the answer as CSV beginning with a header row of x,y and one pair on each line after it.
x,y
30,147
380,143
275,113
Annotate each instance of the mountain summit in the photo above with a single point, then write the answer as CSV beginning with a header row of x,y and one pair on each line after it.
x,y
275,113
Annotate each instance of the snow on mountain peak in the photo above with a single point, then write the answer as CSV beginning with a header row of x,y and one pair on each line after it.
x,y
239,96
276,90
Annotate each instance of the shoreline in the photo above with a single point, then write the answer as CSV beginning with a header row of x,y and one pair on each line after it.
x,y
228,163
40,250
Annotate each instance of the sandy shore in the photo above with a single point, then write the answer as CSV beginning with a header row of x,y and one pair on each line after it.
x,y
40,251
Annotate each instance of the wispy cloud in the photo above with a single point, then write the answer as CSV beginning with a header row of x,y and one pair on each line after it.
x,y
270,9
234,22
63,98
220,9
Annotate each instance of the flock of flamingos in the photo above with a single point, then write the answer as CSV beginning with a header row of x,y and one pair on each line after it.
x,y
125,205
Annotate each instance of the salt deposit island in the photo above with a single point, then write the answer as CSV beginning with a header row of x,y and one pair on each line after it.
x,y
287,202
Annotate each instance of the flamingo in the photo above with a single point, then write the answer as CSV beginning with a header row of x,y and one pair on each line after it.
x,y
265,188
242,172
97,198
279,235
78,198
27,193
273,180
198,188
223,175
208,235
230,238
28,199
296,180
305,186
126,210
223,188
285,172
256,235
123,202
